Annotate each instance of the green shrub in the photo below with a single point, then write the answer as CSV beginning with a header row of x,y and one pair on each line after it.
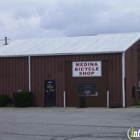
x,y
4,100
137,102
23,99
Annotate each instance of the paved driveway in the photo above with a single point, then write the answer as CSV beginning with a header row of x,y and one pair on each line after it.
x,y
67,123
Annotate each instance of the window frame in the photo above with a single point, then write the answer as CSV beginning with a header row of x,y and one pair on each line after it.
x,y
95,93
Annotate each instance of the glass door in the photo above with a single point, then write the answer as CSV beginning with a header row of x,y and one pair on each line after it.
x,y
50,93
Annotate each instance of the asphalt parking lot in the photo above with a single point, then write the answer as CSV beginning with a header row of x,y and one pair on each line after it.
x,y
67,123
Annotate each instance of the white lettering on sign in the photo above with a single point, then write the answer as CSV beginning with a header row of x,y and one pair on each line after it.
x,y
86,69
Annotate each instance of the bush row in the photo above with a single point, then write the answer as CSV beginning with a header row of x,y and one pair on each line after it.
x,y
20,99
4,100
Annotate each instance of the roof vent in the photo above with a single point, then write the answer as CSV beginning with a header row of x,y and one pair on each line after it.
x,y
5,41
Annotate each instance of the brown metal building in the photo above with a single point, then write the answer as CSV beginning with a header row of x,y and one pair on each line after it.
x,y
83,67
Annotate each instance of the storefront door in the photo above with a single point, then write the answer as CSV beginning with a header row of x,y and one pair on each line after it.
x,y
50,93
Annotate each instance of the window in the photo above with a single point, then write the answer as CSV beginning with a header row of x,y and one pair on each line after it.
x,y
88,88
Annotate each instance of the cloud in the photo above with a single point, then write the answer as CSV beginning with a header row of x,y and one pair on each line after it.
x,y
33,18
91,17
68,14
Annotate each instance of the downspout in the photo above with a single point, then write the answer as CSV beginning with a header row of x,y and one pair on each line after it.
x,y
123,79
29,73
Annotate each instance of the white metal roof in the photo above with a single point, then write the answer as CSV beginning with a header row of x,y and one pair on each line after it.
x,y
101,43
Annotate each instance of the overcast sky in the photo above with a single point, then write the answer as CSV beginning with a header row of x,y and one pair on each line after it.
x,y
49,18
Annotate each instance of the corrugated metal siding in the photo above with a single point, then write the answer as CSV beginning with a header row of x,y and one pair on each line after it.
x,y
55,65
46,68
115,80
13,75
131,73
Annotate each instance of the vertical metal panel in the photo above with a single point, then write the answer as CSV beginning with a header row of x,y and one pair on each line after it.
x,y
56,78
118,78
32,79
11,84
37,80
63,77
43,77
59,78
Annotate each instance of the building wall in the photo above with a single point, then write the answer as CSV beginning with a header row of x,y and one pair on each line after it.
x,y
13,75
131,58
53,67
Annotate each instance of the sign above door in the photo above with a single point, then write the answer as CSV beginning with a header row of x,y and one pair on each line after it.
x,y
87,69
